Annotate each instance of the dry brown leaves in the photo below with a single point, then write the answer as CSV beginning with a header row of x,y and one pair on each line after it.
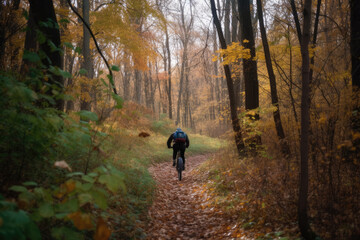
x,y
182,209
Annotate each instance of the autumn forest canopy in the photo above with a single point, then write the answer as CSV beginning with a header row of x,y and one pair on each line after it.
x,y
268,92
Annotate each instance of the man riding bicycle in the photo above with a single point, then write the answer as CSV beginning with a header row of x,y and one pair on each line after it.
x,y
181,142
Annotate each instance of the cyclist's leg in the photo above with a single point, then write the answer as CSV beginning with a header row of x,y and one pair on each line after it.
x,y
182,153
175,150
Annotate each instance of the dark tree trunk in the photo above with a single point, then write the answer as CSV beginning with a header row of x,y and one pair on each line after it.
x,y
274,95
316,25
304,225
43,11
138,83
296,19
216,73
85,102
182,76
249,65
234,38
235,120
355,69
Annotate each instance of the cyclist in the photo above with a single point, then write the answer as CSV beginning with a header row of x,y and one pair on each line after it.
x,y
181,142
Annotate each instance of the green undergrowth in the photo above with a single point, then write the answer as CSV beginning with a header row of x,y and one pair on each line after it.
x,y
67,176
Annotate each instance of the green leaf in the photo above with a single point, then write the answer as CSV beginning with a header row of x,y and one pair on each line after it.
x,y
66,233
88,178
86,186
103,81
71,205
70,175
83,71
119,101
64,20
68,45
18,189
59,72
93,174
53,47
78,50
112,182
87,115
115,68
30,184
31,56
46,210
17,225
85,198
100,198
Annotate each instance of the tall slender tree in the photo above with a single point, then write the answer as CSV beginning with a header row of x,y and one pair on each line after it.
x,y
304,225
272,79
233,111
85,103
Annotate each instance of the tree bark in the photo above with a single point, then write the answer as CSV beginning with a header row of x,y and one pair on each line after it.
x,y
249,65
85,102
168,71
138,83
355,69
227,22
43,11
274,95
304,225
235,120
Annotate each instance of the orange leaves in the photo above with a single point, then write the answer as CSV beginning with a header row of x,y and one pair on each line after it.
x,y
102,230
82,221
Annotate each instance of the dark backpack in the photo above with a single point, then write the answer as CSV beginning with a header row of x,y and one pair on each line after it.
x,y
179,137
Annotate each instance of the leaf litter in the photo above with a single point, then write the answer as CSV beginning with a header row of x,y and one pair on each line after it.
x,y
183,209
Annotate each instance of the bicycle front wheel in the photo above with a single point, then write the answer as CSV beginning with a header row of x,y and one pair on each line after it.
x,y
180,165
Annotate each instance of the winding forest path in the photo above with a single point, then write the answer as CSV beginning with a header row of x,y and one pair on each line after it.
x,y
181,209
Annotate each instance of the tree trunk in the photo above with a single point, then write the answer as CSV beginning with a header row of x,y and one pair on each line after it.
x,y
274,95
85,102
126,81
169,71
216,73
235,120
304,225
138,82
227,22
355,72
249,65
43,11
182,75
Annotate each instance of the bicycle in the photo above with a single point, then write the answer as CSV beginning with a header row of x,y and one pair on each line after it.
x,y
179,165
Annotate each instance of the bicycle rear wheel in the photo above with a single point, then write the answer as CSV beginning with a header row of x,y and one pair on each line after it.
x,y
180,165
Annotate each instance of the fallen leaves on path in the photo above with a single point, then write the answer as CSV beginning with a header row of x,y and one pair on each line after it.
x,y
182,209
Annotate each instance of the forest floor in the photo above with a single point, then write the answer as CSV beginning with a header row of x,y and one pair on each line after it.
x,y
181,209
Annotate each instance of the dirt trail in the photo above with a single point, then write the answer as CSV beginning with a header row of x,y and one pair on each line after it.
x,y
180,210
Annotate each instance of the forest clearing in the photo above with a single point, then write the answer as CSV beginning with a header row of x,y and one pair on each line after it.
x,y
262,97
